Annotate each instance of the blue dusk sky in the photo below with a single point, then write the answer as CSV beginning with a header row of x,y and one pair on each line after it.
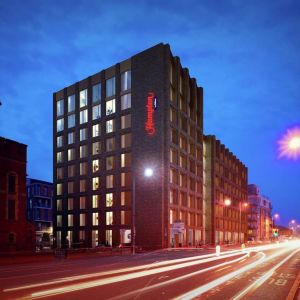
x,y
245,54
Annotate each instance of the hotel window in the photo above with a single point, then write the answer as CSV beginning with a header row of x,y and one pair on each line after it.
x,y
83,151
126,198
125,217
173,176
96,148
110,126
125,160
59,220
71,121
109,218
96,165
71,170
109,181
110,144
110,87
126,81
71,103
83,116
81,235
71,154
70,138
59,157
82,201
125,101
59,141
95,219
71,187
96,183
110,162
126,140
59,108
110,107
60,125
83,168
97,112
126,179
70,220
82,220
126,121
173,156
83,98
96,130
82,185
70,203
95,201
58,204
59,189
59,173
83,134
96,92
109,199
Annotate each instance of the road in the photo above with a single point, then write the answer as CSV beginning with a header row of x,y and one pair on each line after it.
x,y
264,272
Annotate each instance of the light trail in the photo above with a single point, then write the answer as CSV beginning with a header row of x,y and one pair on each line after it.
x,y
105,281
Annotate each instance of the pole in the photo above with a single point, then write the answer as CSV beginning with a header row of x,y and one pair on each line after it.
x,y
240,222
133,214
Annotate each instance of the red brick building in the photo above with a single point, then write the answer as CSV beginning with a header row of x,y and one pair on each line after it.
x,y
15,232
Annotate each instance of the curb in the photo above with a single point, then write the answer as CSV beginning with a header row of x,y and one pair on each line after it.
x,y
294,288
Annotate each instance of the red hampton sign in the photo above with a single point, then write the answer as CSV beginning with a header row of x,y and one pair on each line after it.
x,y
151,105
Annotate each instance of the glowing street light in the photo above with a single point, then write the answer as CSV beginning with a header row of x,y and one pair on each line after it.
x,y
289,144
227,202
148,172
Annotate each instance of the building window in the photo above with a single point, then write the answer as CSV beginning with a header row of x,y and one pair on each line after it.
x,y
71,121
125,217
83,168
83,98
109,181
83,134
95,219
82,184
59,205
110,87
96,92
59,173
126,101
59,189
59,220
96,148
59,108
71,187
126,140
95,200
109,200
70,220
109,218
110,107
83,151
126,81
126,121
96,130
96,183
71,154
96,165
70,203
110,126
70,138
82,220
125,160
59,157
110,144
82,201
126,179
108,235
11,209
110,162
11,184
126,198
71,103
83,116
59,141
60,125
97,112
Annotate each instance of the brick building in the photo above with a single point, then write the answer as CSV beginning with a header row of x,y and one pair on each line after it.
x,y
225,194
142,113
15,232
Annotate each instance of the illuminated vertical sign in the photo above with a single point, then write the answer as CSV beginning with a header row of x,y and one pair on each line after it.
x,y
151,105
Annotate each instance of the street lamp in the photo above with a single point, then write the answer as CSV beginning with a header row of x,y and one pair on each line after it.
x,y
227,202
148,172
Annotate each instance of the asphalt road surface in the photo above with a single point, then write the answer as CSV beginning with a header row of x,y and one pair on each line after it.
x,y
264,272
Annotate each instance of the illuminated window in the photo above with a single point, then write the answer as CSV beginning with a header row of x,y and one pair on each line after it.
x,y
83,98
96,148
71,121
108,237
83,151
83,116
59,220
70,220
59,125
83,168
95,200
96,183
59,108
59,173
126,198
125,160
58,204
96,130
110,107
71,154
109,200
96,165
110,162
59,141
109,218
126,140
95,219
71,170
70,203
82,220
59,189
71,103
97,112
82,201
110,87
125,101
70,138
71,187
96,92
82,185
126,121
110,144
126,81
110,126
83,134
109,181
59,157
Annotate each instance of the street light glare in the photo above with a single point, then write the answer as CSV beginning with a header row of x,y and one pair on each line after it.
x,y
227,202
289,144
148,172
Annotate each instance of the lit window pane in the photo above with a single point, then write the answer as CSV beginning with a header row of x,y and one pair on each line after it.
x,y
110,126
60,108
71,121
59,157
59,125
110,107
96,148
96,130
96,165
126,81
96,183
96,112
109,200
71,103
83,98
83,134
109,181
109,218
97,92
95,201
125,101
70,138
83,116
110,87
95,219
82,220
83,151
59,141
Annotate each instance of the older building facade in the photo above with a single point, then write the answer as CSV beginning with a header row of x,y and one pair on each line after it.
x,y
144,113
225,194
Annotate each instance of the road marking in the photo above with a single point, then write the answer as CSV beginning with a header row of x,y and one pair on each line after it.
x,y
223,269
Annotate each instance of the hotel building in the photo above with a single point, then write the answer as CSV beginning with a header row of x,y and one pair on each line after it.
x,y
128,165
225,194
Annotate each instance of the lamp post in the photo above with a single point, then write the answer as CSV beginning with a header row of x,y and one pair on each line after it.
x,y
148,172
245,204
